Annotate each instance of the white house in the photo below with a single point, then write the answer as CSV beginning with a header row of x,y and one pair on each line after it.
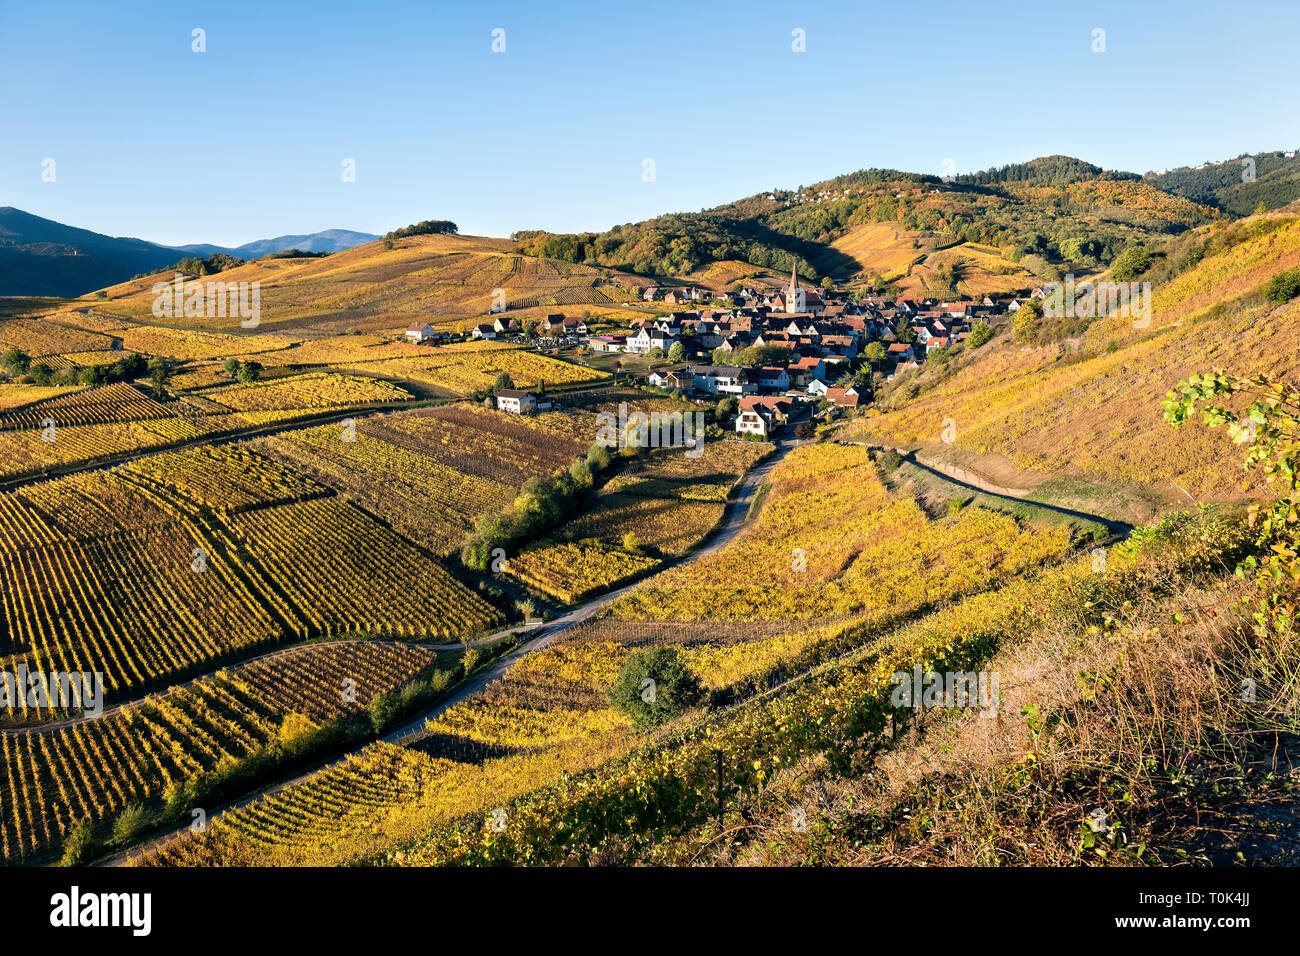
x,y
421,332
483,332
516,401
753,421
648,339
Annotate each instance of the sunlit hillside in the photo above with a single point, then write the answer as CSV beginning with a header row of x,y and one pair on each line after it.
x,y
1090,407
442,280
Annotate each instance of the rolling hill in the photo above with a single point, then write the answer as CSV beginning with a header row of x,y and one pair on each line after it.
x,y
1086,412
443,279
1237,186
999,231
42,257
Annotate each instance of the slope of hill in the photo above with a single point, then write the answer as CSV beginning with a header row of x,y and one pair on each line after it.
x,y
437,279
1088,411
41,257
1237,186
1035,218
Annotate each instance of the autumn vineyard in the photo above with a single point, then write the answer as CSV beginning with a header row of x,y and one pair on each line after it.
x,y
817,528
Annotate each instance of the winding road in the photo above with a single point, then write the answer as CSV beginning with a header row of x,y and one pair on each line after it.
x,y
733,523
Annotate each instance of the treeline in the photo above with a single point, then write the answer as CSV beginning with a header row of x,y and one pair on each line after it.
x,y
1047,170
677,245
1230,185
542,504
131,366
204,265
295,254
430,227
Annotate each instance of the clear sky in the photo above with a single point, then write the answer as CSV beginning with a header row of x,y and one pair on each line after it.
x,y
248,139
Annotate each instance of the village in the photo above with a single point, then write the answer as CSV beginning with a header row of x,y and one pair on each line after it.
x,y
778,353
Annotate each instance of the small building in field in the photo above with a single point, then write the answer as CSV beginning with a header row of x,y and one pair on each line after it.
x,y
421,332
754,421
483,332
516,401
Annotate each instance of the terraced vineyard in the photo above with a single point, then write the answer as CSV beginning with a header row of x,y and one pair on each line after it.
x,y
132,607
547,715
314,390
421,497
120,402
459,373
831,540
159,749
550,715
667,504
346,574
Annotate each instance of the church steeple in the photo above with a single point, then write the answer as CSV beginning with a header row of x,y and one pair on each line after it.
x,y
794,282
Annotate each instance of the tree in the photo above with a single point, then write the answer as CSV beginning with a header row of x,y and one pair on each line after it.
x,y
631,543
677,352
1029,318
230,366
429,227
655,686
41,373
92,375
904,331
874,353
130,366
980,332
1130,264
503,381
249,372
15,361
130,823
382,709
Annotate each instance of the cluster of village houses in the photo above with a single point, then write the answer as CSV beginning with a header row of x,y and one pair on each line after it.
x,y
818,341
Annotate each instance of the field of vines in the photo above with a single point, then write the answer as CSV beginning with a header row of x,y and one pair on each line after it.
x,y
460,373
313,390
42,337
227,478
548,722
91,770
345,574
472,440
831,540
422,498
635,807
132,607
667,502
548,715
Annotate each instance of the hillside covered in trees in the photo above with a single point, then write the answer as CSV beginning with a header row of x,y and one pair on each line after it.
x,y
1058,209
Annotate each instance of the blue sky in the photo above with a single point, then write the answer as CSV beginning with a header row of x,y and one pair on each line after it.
x,y
247,140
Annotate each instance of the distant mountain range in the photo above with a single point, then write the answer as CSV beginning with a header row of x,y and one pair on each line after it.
x,y
43,257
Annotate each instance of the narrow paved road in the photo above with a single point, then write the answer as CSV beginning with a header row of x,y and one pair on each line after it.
x,y
1120,528
732,524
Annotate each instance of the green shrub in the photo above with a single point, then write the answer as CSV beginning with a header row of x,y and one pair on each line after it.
x,y
78,846
654,687
1283,287
130,823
